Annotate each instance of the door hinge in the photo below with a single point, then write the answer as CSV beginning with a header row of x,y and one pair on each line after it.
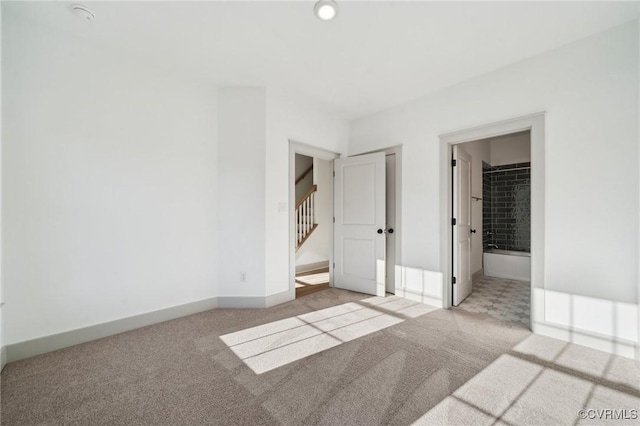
x,y
453,163
334,174
334,219
334,265
453,221
453,280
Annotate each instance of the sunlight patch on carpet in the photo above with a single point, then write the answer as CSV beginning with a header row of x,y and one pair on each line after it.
x,y
400,306
269,346
523,388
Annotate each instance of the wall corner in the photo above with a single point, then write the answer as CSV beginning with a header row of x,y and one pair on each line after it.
x,y
3,357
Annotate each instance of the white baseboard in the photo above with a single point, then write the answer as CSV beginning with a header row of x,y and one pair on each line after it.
x,y
419,285
54,342
41,345
430,300
255,302
602,342
312,266
276,299
477,275
241,302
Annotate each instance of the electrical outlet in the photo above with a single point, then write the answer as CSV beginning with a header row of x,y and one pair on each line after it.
x,y
243,276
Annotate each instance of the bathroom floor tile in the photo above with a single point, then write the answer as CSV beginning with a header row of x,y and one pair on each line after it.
x,y
506,300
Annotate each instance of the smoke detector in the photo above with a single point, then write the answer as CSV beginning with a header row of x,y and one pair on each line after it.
x,y
82,12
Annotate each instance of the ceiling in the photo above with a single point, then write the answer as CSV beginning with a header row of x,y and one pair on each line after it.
x,y
373,56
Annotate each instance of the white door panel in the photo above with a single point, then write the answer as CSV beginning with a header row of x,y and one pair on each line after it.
x,y
359,250
358,194
462,229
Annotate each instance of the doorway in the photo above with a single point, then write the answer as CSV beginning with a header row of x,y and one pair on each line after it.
x,y
313,228
367,221
310,219
492,231
535,125
392,158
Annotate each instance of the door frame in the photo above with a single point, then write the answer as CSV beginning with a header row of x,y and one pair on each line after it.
x,y
397,151
322,154
535,123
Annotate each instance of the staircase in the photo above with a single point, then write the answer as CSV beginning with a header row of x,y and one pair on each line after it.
x,y
305,217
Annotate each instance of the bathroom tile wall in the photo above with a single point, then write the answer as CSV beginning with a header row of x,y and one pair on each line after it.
x,y
486,206
507,206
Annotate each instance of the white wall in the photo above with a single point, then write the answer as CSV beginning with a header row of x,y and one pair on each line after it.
x,y
510,149
121,194
480,151
108,185
318,247
589,90
290,118
303,162
241,169
255,126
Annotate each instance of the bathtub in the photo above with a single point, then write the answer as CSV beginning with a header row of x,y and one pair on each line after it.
x,y
513,265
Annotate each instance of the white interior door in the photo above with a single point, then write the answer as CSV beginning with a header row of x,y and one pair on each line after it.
x,y
462,228
359,229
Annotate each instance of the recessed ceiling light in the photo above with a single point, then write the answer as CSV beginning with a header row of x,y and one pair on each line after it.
x,y
326,9
83,12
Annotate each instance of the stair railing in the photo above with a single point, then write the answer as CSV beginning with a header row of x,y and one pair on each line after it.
x,y
305,216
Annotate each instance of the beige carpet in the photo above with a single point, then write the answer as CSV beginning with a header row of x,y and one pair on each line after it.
x,y
389,361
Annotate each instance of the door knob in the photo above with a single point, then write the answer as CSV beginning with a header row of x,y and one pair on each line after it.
x,y
380,231
390,230
473,231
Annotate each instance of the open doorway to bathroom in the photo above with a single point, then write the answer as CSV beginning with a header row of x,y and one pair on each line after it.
x,y
492,243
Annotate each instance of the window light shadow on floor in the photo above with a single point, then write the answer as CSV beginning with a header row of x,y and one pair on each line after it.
x,y
399,305
545,381
269,346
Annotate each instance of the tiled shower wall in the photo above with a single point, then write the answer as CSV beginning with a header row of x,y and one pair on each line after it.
x,y
487,228
506,206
